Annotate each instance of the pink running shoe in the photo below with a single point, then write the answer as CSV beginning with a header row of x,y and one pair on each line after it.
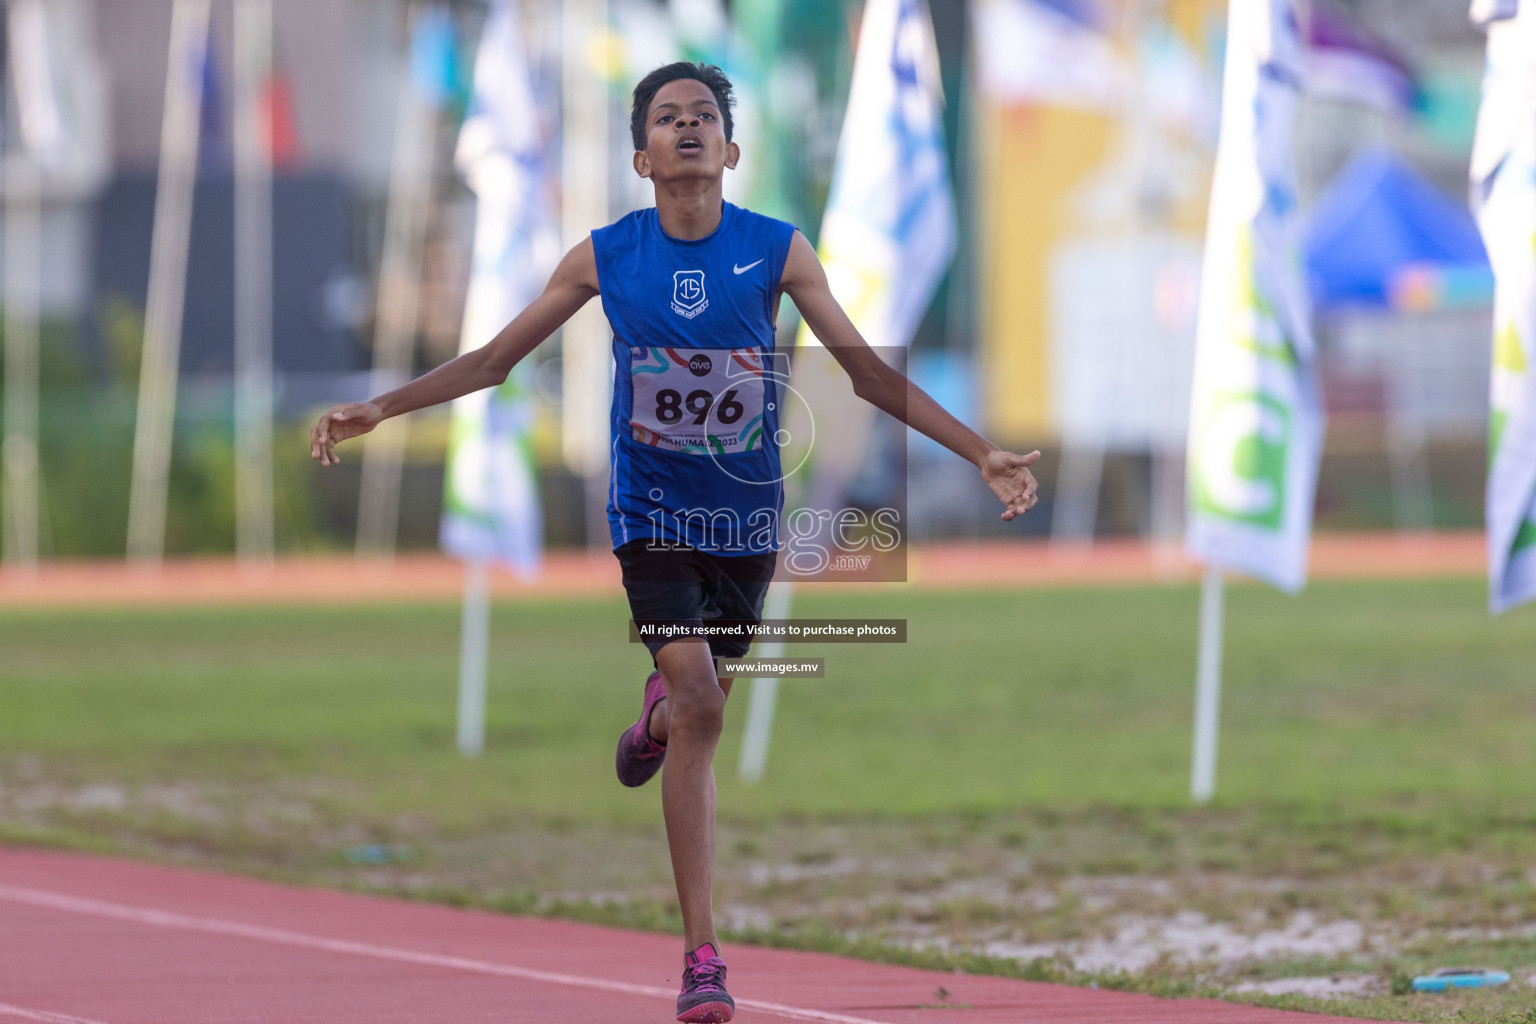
x,y
639,757
704,999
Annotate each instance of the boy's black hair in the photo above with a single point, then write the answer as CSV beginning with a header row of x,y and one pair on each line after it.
x,y
646,91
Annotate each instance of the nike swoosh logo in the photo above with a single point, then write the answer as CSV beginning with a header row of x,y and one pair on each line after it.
x,y
749,266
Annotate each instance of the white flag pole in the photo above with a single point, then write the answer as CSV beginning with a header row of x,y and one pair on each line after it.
x,y
167,282
1256,417
1202,784
585,355
23,282
490,495
1079,480
56,151
765,692
31,73
253,286
398,304
474,639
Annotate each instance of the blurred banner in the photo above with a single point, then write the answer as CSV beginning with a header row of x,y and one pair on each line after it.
x,y
1256,421
1091,191
490,495
889,231
1504,198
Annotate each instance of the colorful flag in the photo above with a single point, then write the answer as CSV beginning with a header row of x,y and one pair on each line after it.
x,y
1256,421
1504,199
889,231
491,497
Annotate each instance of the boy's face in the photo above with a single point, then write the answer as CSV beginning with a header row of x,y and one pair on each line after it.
x,y
685,135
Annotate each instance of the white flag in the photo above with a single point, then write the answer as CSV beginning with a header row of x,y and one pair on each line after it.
x,y
889,231
1256,421
60,96
1504,199
491,498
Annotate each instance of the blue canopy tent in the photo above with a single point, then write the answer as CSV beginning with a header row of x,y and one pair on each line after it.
x,y
1381,236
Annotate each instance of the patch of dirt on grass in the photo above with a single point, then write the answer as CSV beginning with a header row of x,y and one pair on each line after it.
x,y
1325,987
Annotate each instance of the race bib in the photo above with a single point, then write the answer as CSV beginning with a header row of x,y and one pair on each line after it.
x,y
700,401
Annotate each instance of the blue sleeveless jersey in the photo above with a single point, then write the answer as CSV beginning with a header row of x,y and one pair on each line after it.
x,y
695,416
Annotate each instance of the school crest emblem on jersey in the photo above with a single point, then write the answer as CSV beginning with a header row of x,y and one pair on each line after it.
x,y
688,297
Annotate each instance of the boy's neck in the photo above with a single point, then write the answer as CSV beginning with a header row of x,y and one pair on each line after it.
x,y
689,210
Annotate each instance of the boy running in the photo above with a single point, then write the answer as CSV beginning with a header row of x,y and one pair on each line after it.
x,y
691,289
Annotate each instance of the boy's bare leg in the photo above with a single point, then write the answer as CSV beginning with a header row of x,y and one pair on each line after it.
x,y
689,721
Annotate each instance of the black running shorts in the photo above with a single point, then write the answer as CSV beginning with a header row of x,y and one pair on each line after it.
x,y
688,586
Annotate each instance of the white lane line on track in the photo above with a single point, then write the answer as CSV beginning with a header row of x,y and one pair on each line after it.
x,y
7,1010
165,919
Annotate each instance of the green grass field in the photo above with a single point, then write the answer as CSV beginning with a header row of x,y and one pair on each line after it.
x,y
1015,776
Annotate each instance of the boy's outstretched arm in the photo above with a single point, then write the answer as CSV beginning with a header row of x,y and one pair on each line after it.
x,y
805,281
570,286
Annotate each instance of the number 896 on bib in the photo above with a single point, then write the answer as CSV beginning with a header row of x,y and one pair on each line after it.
x,y
699,401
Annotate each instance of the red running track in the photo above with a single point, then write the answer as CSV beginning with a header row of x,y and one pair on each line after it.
x,y
92,940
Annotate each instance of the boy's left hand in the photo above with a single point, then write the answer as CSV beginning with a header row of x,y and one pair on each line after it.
x,y
1010,479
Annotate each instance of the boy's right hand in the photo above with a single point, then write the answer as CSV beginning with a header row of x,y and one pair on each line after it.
x,y
1010,479
347,420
